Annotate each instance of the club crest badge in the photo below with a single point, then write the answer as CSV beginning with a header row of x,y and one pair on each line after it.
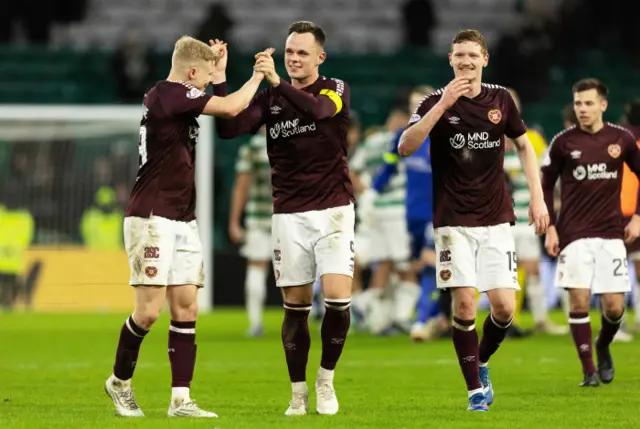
x,y
495,115
614,150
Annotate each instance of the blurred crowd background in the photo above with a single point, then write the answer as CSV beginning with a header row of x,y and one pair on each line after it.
x,y
69,184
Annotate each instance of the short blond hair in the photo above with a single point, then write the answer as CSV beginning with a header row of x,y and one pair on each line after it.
x,y
187,50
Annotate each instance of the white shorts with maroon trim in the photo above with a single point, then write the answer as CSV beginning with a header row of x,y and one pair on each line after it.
x,y
163,252
482,257
599,264
317,241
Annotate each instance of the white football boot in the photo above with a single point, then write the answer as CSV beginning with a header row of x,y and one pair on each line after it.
x,y
188,408
326,400
122,396
299,405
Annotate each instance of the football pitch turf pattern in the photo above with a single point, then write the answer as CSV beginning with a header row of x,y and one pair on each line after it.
x,y
53,369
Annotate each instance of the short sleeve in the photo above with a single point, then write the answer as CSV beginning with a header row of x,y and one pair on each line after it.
x,y
338,92
553,155
423,108
180,99
243,164
515,126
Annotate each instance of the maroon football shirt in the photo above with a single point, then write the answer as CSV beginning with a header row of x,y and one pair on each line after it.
x,y
165,184
590,168
306,142
467,157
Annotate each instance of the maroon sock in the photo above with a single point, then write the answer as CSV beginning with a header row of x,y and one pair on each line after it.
x,y
610,326
182,352
581,331
493,334
296,339
131,336
335,326
465,341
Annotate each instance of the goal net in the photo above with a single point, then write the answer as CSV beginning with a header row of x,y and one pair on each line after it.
x,y
65,176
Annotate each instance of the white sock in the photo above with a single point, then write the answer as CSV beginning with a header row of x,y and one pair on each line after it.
x,y
117,384
325,374
537,303
299,387
255,294
179,394
405,300
473,392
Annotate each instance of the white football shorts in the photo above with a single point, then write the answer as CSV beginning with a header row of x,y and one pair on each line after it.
x,y
163,252
598,264
482,257
317,241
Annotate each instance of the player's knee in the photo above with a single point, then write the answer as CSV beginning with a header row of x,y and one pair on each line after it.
x,y
612,308
184,313
503,311
145,318
464,307
580,303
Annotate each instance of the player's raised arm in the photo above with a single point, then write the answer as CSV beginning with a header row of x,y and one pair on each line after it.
x,y
232,105
327,104
426,118
250,118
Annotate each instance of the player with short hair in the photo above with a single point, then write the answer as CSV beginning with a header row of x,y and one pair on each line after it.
x,y
313,222
467,122
589,231
160,230
252,195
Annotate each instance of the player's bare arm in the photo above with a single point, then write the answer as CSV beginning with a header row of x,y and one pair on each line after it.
x,y
238,202
413,137
551,168
326,105
538,212
249,119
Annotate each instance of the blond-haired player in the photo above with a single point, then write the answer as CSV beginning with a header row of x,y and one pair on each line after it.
x,y
160,230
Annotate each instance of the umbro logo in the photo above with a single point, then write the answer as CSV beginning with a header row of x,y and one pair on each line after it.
x,y
454,120
576,154
275,110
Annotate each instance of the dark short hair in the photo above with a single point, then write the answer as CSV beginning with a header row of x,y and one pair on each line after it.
x,y
591,83
569,115
301,27
632,112
470,36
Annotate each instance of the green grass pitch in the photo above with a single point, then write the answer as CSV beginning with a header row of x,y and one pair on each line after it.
x,y
52,370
